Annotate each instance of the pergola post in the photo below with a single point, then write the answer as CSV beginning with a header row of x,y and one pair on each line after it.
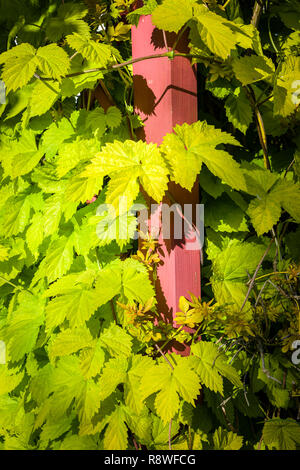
x,y
165,94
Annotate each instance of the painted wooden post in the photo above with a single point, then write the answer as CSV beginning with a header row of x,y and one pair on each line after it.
x,y
165,93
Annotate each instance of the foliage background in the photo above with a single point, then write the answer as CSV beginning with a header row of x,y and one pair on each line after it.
x,y
87,368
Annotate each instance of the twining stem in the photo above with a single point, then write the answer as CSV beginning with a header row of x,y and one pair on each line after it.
x,y
263,366
270,35
172,337
227,3
15,285
170,54
113,311
271,274
255,274
259,124
164,356
165,40
170,431
257,11
179,36
89,100
172,367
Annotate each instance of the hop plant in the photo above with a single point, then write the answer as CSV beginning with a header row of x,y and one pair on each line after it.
x,y
4,253
194,312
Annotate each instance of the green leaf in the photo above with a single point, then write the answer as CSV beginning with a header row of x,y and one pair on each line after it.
x,y
72,153
57,261
78,305
210,365
52,431
171,15
18,101
135,274
76,442
138,368
238,110
93,51
25,155
115,437
81,189
194,144
265,213
214,32
287,87
88,403
116,341
70,341
8,410
15,215
283,434
123,277
226,440
251,69
29,316
9,380
53,61
44,95
230,269
113,117
114,373
223,215
68,20
170,384
92,360
19,66
68,384
55,136
288,195
35,233
128,163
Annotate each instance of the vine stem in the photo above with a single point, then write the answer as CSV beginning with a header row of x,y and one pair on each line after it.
x,y
257,10
170,431
170,54
172,367
271,274
255,274
15,285
227,3
164,356
113,311
259,124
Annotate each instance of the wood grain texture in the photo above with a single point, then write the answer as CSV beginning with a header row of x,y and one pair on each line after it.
x,y
165,93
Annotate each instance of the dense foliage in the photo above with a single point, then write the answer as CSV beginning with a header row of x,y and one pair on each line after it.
x,y
87,364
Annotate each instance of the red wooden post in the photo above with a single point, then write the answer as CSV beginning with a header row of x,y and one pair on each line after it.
x,y
165,94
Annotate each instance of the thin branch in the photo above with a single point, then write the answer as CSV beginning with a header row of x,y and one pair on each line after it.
x,y
255,274
165,40
289,167
257,11
170,431
113,311
236,354
171,55
179,36
263,366
15,285
259,124
164,356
